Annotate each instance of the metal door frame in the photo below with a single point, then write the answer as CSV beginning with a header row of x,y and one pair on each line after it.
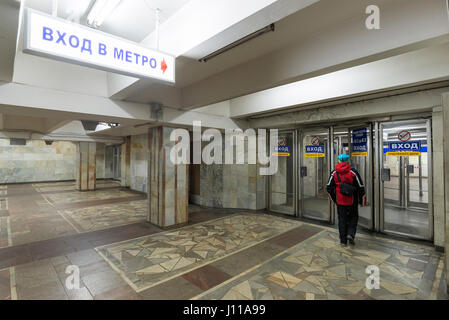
x,y
295,174
301,134
370,179
116,162
381,207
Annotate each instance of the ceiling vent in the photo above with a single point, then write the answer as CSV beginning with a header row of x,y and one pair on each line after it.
x,y
89,125
17,142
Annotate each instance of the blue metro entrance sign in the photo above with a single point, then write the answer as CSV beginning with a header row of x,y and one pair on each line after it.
x,y
59,39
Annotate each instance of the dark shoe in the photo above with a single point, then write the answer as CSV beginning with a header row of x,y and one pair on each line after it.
x,y
351,240
342,244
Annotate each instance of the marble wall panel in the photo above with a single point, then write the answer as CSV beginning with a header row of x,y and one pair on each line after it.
x,y
168,185
125,159
100,162
37,161
86,166
139,163
211,185
238,186
108,162
438,179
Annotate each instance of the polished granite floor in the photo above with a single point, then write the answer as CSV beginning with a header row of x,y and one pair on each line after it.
x,y
42,211
147,261
48,228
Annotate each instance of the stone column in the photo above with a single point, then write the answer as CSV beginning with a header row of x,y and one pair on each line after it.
x,y
446,182
125,176
86,166
167,183
438,178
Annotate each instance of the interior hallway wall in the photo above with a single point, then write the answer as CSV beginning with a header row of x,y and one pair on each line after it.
x,y
37,161
125,166
100,166
108,162
139,163
194,183
236,186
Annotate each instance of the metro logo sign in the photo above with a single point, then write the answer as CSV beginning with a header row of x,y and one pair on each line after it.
x,y
59,39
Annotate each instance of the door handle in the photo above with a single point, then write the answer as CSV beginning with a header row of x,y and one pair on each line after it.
x,y
303,171
385,174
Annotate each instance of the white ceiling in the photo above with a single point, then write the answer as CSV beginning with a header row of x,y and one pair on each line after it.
x,y
135,19
298,27
132,19
300,37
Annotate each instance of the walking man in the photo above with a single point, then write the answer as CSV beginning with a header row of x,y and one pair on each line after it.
x,y
346,189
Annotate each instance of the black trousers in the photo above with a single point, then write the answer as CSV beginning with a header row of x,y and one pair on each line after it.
x,y
348,218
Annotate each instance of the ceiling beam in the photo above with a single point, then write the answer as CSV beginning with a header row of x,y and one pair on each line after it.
x,y
51,124
201,27
410,69
405,103
17,99
406,25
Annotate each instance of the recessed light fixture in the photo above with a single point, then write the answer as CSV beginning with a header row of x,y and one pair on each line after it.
x,y
100,11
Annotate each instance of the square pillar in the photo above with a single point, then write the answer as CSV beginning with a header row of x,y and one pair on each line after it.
x,y
125,176
167,183
438,179
446,183
86,166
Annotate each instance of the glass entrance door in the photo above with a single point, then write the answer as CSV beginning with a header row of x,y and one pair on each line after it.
x,y
315,163
406,159
282,183
360,150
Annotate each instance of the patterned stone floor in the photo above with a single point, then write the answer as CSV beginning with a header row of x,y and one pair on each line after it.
x,y
106,216
76,196
42,211
220,254
320,269
147,261
64,186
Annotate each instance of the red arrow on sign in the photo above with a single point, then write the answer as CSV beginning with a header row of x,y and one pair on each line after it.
x,y
163,66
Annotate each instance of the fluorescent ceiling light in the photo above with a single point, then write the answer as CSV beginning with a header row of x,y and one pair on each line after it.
x,y
100,11
247,38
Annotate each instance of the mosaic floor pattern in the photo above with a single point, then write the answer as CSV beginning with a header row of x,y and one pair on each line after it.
x,y
56,188
4,226
44,211
77,196
51,184
147,261
320,269
106,216
67,186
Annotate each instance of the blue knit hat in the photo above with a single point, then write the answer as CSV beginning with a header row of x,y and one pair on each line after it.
x,y
343,157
